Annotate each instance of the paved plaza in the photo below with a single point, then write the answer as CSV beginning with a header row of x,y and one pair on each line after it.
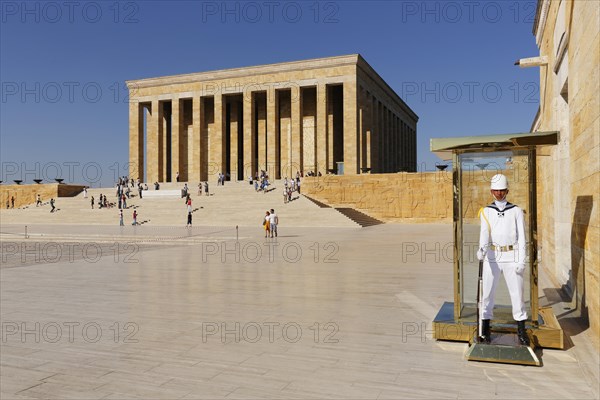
x,y
208,312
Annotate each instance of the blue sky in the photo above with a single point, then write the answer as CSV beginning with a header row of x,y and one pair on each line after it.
x,y
63,66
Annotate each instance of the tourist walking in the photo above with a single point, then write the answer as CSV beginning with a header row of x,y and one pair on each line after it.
x,y
121,218
266,224
12,201
273,222
85,193
189,214
92,201
38,201
52,205
285,195
135,214
206,188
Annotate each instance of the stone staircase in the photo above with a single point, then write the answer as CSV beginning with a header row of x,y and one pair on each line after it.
x,y
235,203
359,217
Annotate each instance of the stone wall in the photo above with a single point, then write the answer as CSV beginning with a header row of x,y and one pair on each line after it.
x,y
26,194
410,197
567,33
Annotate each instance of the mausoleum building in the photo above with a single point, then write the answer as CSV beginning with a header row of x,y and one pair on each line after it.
x,y
327,115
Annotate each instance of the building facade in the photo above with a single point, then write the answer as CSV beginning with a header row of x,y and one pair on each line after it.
x,y
324,115
567,34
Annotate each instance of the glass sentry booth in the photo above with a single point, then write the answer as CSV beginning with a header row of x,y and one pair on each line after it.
x,y
475,159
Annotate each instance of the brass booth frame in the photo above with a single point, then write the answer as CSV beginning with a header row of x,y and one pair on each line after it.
x,y
456,321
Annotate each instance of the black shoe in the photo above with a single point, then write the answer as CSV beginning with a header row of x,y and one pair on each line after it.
x,y
486,336
522,333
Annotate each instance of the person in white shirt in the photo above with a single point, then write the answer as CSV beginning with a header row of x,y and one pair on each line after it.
x,y
273,222
502,247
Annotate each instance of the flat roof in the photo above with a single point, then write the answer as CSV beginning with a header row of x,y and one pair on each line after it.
x,y
314,63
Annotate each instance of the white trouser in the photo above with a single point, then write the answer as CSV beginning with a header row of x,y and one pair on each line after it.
x,y
514,281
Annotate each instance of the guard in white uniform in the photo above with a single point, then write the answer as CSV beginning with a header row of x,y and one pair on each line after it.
x,y
502,247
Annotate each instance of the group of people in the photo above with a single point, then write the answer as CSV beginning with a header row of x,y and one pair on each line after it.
x,y
293,185
200,186
123,193
221,179
261,181
10,204
188,204
270,223
102,202
135,215
38,203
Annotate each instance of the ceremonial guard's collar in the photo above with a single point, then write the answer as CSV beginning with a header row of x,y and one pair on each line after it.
x,y
508,207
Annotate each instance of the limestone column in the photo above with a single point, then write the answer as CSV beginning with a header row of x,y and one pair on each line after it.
x,y
154,143
369,128
176,141
285,128
374,135
393,144
360,143
388,135
321,130
363,104
330,128
392,153
384,134
216,149
195,151
350,129
381,138
409,148
404,147
261,126
398,148
249,134
308,129
234,122
272,134
414,149
295,150
136,140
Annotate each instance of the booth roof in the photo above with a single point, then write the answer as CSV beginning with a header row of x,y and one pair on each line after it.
x,y
444,147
